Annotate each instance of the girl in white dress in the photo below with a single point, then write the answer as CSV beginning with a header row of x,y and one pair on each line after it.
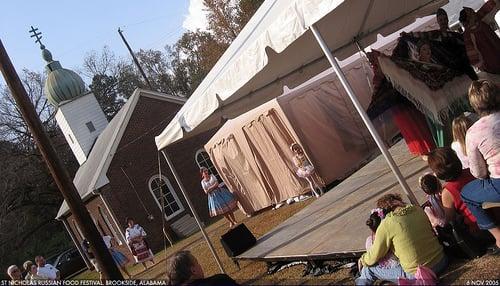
x,y
306,170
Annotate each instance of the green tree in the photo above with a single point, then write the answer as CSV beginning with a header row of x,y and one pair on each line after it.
x,y
158,70
196,53
12,125
112,81
30,199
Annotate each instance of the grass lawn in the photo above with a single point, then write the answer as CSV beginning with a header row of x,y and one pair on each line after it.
x,y
484,268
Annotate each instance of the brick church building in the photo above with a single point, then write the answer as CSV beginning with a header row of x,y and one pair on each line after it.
x,y
119,175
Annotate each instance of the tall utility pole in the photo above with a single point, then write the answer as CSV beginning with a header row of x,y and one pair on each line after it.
x,y
120,31
57,169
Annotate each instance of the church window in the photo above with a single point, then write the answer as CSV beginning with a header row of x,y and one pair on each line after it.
x,y
161,187
203,160
90,126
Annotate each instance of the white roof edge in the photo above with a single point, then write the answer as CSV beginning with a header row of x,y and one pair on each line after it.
x,y
161,96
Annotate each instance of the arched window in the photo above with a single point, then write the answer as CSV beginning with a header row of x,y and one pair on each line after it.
x,y
109,225
203,160
161,187
78,230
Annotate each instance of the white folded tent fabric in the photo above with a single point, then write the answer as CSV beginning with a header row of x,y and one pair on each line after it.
x,y
274,50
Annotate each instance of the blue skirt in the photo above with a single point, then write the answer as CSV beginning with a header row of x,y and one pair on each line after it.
x,y
119,257
221,201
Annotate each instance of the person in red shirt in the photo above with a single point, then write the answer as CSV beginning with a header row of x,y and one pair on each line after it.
x,y
447,167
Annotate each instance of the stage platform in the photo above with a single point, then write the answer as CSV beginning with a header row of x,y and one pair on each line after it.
x,y
333,226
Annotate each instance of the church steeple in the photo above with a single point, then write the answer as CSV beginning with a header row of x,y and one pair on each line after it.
x,y
79,115
61,84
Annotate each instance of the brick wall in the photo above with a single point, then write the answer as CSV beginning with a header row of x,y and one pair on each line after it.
x,y
137,156
104,222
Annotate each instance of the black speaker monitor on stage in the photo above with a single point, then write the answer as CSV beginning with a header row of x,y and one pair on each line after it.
x,y
237,240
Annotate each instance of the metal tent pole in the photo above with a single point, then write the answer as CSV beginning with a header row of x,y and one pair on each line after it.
x,y
195,214
364,116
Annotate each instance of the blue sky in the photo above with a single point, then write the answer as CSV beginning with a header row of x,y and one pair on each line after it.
x,y
72,28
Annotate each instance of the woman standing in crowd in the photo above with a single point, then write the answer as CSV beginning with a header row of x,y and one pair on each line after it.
x,y
32,274
27,269
481,42
220,200
407,232
483,150
136,239
14,272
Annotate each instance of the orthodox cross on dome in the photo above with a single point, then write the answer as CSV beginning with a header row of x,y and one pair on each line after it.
x,y
38,36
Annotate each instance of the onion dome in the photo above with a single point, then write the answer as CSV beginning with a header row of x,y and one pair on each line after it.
x,y
61,84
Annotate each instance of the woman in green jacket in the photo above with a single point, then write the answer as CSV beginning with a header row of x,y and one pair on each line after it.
x,y
406,232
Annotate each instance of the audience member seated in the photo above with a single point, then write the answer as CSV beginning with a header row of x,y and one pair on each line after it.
x,y
407,232
459,128
376,216
447,167
483,150
481,42
434,209
184,269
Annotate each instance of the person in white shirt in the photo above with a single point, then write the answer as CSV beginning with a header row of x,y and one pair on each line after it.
x,y
45,270
459,128
135,236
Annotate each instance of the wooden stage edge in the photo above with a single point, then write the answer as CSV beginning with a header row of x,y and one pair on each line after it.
x,y
333,226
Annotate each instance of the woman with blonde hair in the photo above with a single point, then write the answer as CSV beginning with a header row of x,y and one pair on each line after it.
x,y
483,150
459,128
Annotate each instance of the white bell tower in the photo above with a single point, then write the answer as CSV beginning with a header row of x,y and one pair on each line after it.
x,y
79,115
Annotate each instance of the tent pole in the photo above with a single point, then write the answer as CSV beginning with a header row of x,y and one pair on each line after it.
x,y
362,53
364,116
193,211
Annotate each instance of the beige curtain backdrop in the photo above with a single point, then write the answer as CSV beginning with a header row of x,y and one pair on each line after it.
x,y
240,175
328,125
251,152
269,141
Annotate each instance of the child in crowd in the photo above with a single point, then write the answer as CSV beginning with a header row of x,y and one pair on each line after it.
x,y
459,128
376,216
435,211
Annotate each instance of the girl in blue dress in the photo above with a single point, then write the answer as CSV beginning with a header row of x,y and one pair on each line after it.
x,y
220,200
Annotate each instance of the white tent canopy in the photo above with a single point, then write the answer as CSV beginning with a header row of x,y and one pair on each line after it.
x,y
274,50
